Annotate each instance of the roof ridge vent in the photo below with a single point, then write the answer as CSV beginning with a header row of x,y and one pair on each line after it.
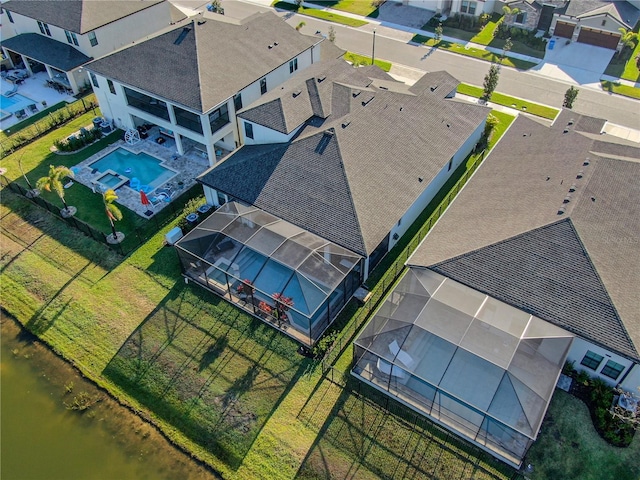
x,y
382,87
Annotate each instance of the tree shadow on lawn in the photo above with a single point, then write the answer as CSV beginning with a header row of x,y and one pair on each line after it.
x,y
367,429
208,369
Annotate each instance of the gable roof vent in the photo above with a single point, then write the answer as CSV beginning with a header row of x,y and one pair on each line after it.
x,y
327,135
185,31
321,78
296,93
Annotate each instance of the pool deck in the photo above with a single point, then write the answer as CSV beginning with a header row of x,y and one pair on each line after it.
x,y
187,167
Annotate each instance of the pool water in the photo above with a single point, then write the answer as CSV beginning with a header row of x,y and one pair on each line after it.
x,y
110,180
142,166
14,103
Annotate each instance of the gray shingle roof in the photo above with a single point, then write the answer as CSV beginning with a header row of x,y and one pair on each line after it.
x,y
213,61
621,10
512,202
79,16
383,143
47,50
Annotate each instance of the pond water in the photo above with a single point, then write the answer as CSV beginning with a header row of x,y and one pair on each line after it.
x,y
42,439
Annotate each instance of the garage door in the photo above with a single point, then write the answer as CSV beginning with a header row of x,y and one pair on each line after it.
x,y
598,38
564,29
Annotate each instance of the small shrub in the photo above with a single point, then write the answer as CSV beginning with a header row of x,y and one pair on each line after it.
x,y
82,402
325,343
569,368
583,378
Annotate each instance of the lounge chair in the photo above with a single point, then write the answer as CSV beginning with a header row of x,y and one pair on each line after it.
x,y
68,184
20,114
33,108
401,355
12,92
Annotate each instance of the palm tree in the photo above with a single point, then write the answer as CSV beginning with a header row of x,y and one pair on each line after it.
x,y
113,212
628,39
510,12
54,182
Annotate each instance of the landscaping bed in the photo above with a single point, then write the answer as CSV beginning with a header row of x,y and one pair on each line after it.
x,y
512,102
358,60
321,14
620,89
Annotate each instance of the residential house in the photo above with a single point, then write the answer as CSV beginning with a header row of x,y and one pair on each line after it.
x,y
534,263
346,155
596,22
62,36
452,7
534,14
191,80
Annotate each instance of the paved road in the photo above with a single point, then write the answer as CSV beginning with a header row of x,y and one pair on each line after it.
x,y
393,45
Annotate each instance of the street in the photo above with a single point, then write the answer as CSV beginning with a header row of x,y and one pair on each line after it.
x,y
392,45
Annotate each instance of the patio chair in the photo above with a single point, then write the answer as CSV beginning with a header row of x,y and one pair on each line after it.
x,y
33,108
20,114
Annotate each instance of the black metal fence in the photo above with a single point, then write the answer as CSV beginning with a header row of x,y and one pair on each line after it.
x,y
392,274
134,238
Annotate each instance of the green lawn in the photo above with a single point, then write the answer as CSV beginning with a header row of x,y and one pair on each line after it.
x,y
314,12
359,7
485,37
507,101
473,52
625,67
620,89
357,60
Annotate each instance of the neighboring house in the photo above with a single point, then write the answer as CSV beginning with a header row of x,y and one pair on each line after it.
x,y
451,7
536,261
191,80
595,22
534,14
337,163
349,154
62,36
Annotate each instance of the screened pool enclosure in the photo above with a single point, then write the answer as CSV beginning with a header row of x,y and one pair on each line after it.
x,y
291,278
475,365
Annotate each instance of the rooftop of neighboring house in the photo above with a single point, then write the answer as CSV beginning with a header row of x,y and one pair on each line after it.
x,y
47,50
538,4
368,147
204,62
550,223
79,16
622,11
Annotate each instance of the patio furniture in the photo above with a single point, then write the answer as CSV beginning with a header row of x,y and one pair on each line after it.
x,y
401,355
388,369
12,92
33,108
146,188
223,246
68,184
20,114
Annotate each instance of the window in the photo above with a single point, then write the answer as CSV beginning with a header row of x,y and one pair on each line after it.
x,y
44,28
591,360
71,37
263,86
219,118
604,22
9,16
94,79
146,103
468,7
93,39
612,369
237,102
248,130
187,119
293,65
112,88
521,17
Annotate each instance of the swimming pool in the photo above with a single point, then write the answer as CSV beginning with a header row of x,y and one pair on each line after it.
x,y
142,166
15,102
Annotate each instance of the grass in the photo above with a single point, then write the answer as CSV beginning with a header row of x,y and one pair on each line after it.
x,y
321,14
512,102
219,383
359,7
357,60
485,36
569,443
625,66
620,89
472,52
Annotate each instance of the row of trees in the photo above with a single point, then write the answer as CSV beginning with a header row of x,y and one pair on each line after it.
x,y
53,182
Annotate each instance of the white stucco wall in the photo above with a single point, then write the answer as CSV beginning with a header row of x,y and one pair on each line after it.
x,y
434,186
263,135
631,382
579,349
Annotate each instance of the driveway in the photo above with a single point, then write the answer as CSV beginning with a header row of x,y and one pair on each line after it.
x,y
399,14
576,62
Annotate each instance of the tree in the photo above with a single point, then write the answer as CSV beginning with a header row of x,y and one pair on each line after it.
x,y
570,96
332,34
53,182
438,32
510,12
490,82
112,211
506,48
628,39
491,123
